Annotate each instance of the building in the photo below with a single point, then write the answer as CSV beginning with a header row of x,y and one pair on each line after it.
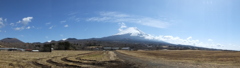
x,y
11,49
115,48
107,48
125,48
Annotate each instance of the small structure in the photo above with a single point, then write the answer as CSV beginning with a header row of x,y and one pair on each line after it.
x,y
52,49
165,47
125,48
22,49
107,48
149,46
4,49
30,50
35,50
12,49
115,48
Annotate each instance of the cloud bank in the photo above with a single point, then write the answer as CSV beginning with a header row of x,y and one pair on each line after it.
x,y
120,17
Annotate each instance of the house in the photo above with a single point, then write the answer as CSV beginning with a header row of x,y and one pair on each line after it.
x,y
4,49
115,48
12,49
107,48
125,48
35,50
30,50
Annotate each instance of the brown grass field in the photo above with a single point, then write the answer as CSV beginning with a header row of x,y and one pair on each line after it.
x,y
13,59
193,56
108,59
59,59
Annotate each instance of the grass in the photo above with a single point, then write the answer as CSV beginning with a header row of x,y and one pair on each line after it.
x,y
216,57
13,59
99,56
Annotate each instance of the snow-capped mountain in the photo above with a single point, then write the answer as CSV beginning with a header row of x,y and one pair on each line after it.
x,y
133,31
131,35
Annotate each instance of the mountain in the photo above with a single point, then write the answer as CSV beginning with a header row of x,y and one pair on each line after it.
x,y
128,38
11,40
70,39
131,35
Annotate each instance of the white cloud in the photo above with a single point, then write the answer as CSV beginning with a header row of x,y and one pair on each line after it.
x,y
114,14
51,27
132,30
74,18
63,21
1,22
128,30
19,28
48,23
33,26
19,21
65,25
119,17
26,20
12,24
5,20
210,40
189,38
122,26
28,27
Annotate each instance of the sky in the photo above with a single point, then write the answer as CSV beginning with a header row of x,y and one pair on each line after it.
x,y
204,23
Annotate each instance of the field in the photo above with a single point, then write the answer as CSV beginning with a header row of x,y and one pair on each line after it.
x,y
58,59
120,59
197,57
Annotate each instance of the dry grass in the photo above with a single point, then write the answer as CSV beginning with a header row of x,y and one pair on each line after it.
x,y
215,57
15,59
55,59
98,56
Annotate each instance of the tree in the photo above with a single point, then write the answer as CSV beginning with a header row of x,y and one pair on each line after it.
x,y
63,45
46,48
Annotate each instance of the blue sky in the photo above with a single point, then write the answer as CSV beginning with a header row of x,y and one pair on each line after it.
x,y
205,23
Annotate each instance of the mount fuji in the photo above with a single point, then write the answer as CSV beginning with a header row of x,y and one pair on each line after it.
x,y
131,35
